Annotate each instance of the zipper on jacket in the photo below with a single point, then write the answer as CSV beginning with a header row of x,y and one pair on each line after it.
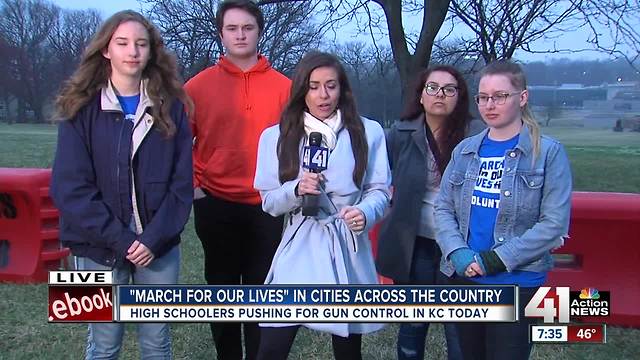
x,y
246,92
118,162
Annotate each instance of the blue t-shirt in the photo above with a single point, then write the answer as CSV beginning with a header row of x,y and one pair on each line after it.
x,y
485,203
129,105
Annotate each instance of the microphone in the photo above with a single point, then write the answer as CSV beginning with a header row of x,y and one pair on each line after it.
x,y
315,158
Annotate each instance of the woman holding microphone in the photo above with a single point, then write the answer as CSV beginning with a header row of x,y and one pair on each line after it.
x,y
331,247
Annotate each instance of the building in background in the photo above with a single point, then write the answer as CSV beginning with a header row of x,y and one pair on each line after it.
x,y
589,106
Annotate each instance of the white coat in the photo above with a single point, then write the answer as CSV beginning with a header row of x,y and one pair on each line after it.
x,y
322,249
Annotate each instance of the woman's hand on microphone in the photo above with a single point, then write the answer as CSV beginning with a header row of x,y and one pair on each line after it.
x,y
309,184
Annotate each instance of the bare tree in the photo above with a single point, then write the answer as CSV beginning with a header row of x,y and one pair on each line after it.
x,y
387,95
68,37
550,112
357,59
25,27
72,31
189,28
410,53
374,79
614,26
456,52
289,32
7,79
500,27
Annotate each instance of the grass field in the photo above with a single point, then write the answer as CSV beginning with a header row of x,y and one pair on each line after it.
x,y
601,161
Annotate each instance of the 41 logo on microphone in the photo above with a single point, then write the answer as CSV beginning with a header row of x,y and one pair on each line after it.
x,y
315,158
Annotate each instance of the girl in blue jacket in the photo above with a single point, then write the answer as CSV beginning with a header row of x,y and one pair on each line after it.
x,y
122,175
504,203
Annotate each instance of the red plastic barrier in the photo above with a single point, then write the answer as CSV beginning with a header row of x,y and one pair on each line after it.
x,y
29,245
603,252
373,236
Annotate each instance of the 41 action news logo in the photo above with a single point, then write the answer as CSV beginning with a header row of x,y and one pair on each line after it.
x,y
561,303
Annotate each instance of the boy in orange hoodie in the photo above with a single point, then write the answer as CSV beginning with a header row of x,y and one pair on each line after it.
x,y
235,100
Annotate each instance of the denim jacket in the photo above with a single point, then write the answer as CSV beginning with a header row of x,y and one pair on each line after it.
x,y
535,203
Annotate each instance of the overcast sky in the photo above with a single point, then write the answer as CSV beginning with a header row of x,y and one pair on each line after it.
x,y
574,40
107,7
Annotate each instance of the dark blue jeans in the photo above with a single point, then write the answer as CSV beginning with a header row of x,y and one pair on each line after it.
x,y
424,271
496,341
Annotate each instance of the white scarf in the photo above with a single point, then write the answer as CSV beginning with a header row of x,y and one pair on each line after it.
x,y
328,128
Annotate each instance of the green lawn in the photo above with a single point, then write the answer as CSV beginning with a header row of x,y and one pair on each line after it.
x,y
601,161
23,145
593,137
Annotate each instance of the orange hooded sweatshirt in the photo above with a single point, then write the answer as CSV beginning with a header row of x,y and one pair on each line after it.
x,y
232,108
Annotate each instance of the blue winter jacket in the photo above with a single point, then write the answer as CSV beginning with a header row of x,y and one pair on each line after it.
x,y
98,154
535,203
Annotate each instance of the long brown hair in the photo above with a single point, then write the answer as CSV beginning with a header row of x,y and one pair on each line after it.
x,y
94,71
455,125
292,123
517,78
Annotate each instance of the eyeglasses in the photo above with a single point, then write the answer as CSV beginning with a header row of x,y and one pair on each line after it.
x,y
498,98
432,89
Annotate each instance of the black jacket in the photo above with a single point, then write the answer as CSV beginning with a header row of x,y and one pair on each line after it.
x,y
407,149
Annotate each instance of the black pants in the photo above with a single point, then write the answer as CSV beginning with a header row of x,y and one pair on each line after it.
x,y
275,344
496,341
239,242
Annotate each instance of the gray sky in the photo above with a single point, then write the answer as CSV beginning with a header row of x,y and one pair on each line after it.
x,y
573,40
107,7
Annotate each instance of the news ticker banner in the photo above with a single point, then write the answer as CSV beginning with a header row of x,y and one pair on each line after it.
x,y
570,333
88,296
378,303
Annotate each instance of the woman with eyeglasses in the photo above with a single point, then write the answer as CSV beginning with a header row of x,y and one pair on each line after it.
x,y
504,203
419,148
